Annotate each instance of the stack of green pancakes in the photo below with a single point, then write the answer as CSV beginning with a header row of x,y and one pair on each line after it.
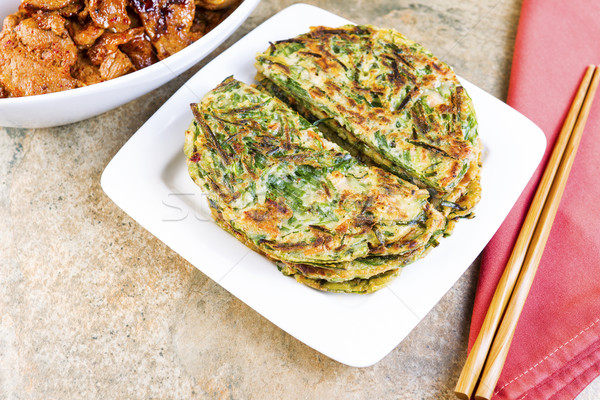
x,y
343,166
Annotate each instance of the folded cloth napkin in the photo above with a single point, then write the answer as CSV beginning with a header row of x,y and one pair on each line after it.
x,y
555,351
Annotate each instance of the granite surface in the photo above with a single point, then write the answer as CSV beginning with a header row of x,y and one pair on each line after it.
x,y
93,306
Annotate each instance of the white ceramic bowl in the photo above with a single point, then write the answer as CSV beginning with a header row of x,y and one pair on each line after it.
x,y
74,105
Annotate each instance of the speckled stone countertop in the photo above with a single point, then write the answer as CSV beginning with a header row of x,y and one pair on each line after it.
x,y
92,306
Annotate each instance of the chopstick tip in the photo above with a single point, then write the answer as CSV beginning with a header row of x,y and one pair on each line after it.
x,y
462,396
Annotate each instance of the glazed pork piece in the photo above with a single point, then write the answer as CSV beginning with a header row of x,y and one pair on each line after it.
x,y
215,4
36,55
54,45
47,5
168,24
110,14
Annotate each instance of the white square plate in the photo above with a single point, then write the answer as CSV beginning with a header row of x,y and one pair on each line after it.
x,y
148,179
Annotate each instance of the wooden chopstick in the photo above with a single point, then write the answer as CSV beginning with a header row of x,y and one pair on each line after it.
x,y
501,344
526,253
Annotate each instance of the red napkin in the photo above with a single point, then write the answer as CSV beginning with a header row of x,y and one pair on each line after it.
x,y
555,352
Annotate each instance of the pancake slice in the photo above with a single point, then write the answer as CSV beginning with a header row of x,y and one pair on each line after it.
x,y
387,98
280,187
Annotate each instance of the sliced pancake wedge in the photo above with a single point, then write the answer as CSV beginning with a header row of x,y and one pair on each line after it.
x,y
389,99
273,179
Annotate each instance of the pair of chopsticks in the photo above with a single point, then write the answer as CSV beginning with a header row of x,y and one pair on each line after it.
x,y
493,342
